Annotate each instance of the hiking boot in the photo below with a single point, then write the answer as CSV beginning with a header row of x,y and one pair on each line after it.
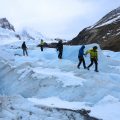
x,y
96,71
87,68
78,67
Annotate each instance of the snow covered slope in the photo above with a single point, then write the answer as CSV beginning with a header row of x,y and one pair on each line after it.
x,y
45,80
111,17
9,35
31,34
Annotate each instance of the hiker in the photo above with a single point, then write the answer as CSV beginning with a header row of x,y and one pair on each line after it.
x,y
60,49
24,47
93,57
81,57
41,44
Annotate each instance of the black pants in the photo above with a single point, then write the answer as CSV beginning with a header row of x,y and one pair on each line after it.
x,y
25,52
94,60
60,54
81,60
41,46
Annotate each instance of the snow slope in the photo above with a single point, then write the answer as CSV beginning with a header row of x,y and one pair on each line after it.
x,y
111,17
7,36
31,34
50,83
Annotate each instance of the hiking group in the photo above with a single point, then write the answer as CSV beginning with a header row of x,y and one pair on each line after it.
x,y
93,54
93,57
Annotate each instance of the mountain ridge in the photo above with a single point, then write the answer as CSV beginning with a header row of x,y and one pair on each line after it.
x,y
106,32
4,23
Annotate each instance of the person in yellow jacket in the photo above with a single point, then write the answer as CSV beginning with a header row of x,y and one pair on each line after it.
x,y
93,57
41,44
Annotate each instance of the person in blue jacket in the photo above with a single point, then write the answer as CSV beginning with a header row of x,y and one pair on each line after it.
x,y
81,57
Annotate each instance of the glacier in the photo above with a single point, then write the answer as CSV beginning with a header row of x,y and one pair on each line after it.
x,y
42,87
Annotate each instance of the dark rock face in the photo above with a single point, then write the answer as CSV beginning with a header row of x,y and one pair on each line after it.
x,y
105,32
4,23
18,36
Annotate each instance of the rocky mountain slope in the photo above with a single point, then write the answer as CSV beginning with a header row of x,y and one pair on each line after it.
x,y
4,23
7,31
106,32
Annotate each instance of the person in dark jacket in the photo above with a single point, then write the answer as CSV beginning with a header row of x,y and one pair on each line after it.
x,y
81,57
60,49
93,57
24,47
